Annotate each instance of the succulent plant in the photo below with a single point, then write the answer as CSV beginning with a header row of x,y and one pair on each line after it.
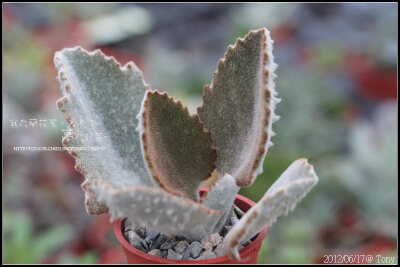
x,y
156,155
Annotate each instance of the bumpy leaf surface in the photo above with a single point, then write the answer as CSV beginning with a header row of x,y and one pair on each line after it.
x,y
153,208
100,103
178,151
238,107
281,198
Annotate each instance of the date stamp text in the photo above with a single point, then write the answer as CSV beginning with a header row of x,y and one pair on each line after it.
x,y
357,259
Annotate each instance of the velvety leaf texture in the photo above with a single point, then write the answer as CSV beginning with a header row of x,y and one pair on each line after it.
x,y
221,196
282,197
238,107
100,103
179,152
144,156
153,208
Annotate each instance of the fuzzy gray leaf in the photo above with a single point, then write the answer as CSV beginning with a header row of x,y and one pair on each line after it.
x,y
178,151
153,208
100,103
283,196
238,106
220,196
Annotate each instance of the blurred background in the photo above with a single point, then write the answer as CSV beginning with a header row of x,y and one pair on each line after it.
x,y
337,78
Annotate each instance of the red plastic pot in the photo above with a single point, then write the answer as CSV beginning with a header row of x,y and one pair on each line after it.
x,y
248,254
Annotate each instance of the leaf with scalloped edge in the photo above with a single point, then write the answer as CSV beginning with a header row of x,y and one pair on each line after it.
x,y
100,103
238,107
153,208
178,151
282,197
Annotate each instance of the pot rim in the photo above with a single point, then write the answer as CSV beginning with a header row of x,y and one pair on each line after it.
x,y
118,224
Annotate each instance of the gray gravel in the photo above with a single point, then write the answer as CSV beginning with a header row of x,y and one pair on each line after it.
x,y
172,255
169,243
220,250
238,211
194,249
177,247
234,220
164,253
158,241
151,235
181,246
135,240
210,241
207,255
144,244
141,231
127,226
186,256
225,230
155,252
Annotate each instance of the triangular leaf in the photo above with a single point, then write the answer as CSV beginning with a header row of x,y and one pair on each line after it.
x,y
238,106
153,208
283,196
100,103
179,152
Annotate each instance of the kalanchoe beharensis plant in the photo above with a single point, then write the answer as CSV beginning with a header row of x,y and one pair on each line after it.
x,y
157,155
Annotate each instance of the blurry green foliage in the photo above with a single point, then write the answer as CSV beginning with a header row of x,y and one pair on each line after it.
x,y
248,16
23,57
370,168
358,168
286,244
310,115
20,49
274,165
87,258
21,243
328,55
